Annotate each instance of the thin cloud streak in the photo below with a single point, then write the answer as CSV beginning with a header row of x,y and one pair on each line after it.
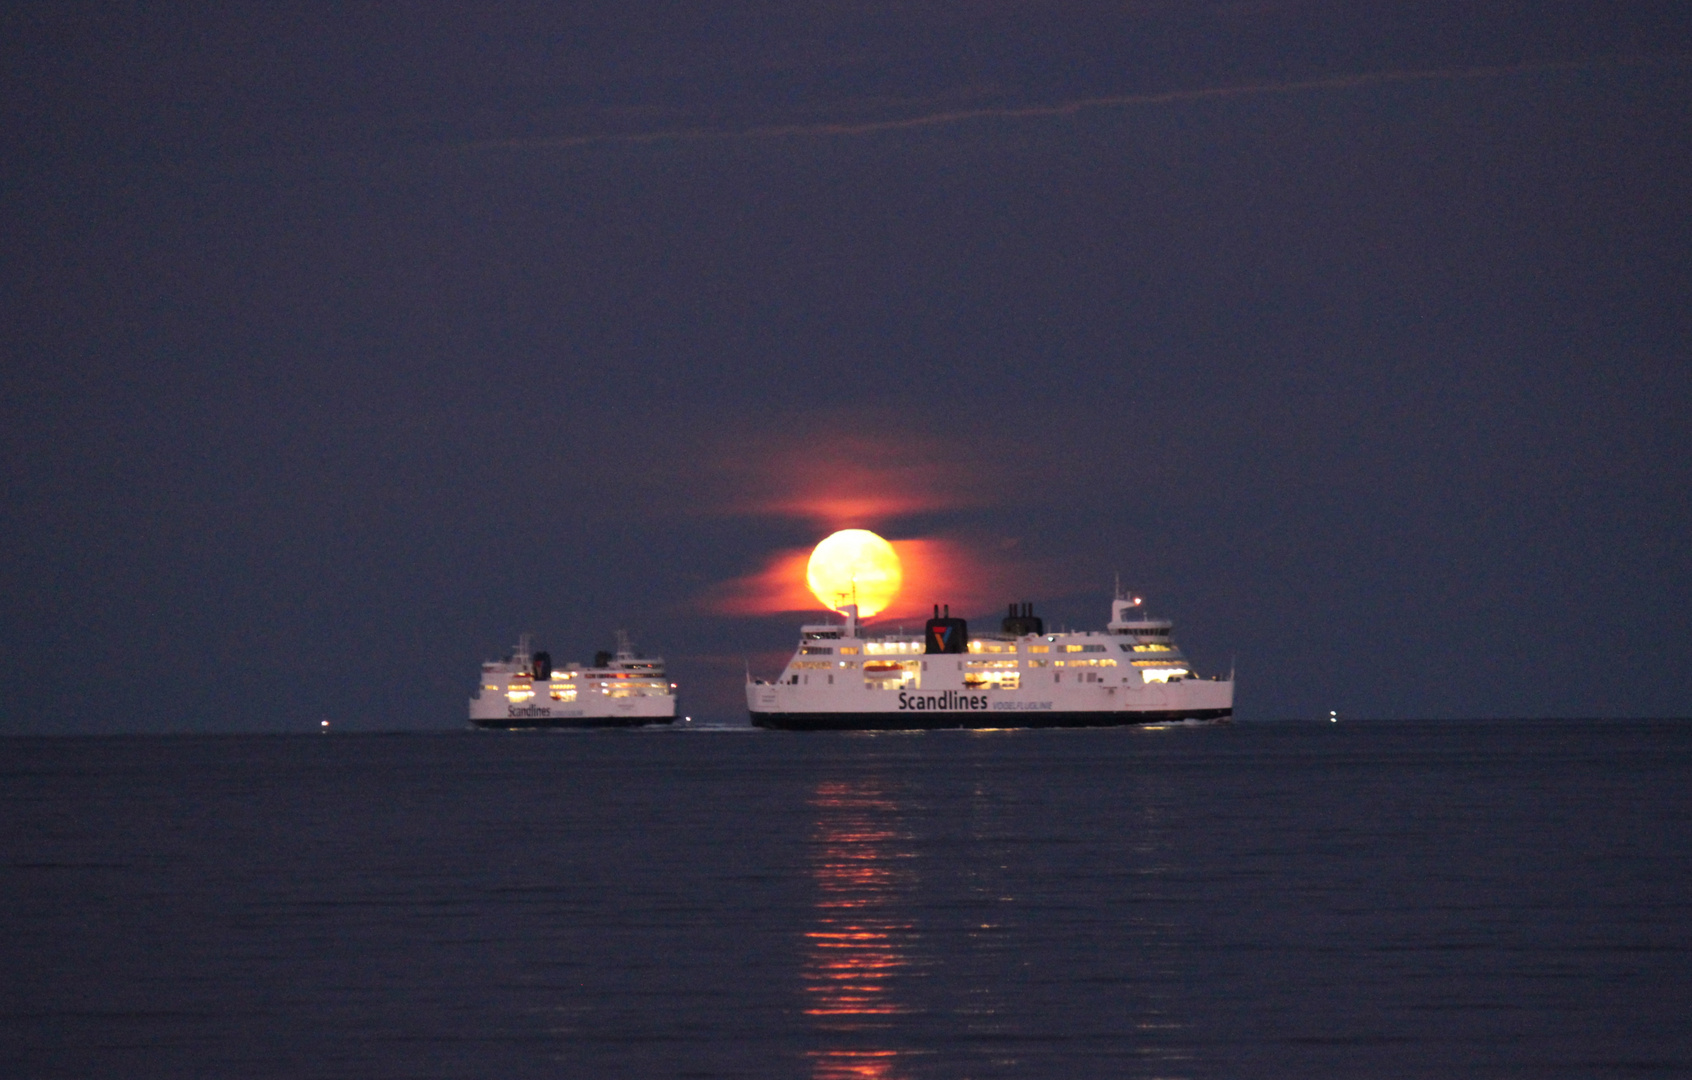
x,y
1070,108
869,472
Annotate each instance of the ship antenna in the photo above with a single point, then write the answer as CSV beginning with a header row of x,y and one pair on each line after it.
x,y
1119,584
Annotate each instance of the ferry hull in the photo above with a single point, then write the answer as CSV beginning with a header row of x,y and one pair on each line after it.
x,y
939,721
554,722
1131,673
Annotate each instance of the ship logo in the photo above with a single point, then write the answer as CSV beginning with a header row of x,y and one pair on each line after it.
x,y
949,700
942,637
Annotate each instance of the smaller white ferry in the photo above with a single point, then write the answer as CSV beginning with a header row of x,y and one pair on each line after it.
x,y
524,690
842,678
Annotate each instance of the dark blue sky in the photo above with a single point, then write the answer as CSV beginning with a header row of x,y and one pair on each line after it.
x,y
343,343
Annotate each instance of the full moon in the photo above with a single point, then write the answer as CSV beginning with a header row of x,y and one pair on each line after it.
x,y
855,565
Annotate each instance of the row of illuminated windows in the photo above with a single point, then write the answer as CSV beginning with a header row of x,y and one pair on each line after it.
x,y
994,679
893,665
894,680
568,693
874,648
889,666
555,683
906,648
1147,648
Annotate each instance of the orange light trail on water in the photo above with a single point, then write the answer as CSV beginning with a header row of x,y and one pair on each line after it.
x,y
853,958
853,1064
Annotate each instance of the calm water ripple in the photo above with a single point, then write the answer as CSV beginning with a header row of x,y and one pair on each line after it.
x,y
1404,899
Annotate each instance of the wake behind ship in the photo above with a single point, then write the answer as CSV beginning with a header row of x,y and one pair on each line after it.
x,y
1130,673
525,691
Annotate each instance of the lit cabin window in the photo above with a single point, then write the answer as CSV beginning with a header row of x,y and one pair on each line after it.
x,y
1149,648
816,650
1162,675
892,675
848,650
1039,648
993,680
892,648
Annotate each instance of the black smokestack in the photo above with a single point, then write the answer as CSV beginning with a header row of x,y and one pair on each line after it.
x,y
946,634
1022,621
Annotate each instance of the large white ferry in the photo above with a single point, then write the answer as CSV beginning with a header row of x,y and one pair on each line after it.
x,y
525,691
842,678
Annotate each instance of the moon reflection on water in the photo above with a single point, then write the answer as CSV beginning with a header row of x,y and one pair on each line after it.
x,y
859,946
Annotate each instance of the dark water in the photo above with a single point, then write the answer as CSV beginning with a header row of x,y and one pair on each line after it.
x,y
1487,899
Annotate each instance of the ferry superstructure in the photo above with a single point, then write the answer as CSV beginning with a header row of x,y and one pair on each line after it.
x,y
844,679
524,690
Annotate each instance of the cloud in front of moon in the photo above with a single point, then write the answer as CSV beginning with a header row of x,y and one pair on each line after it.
x,y
970,576
874,471
854,566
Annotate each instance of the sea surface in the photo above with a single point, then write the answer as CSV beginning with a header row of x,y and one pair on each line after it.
x,y
1360,899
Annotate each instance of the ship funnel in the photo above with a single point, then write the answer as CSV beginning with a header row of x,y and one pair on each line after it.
x,y
1022,621
946,634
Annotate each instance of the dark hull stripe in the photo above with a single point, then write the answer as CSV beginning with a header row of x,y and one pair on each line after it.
x,y
524,723
931,721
